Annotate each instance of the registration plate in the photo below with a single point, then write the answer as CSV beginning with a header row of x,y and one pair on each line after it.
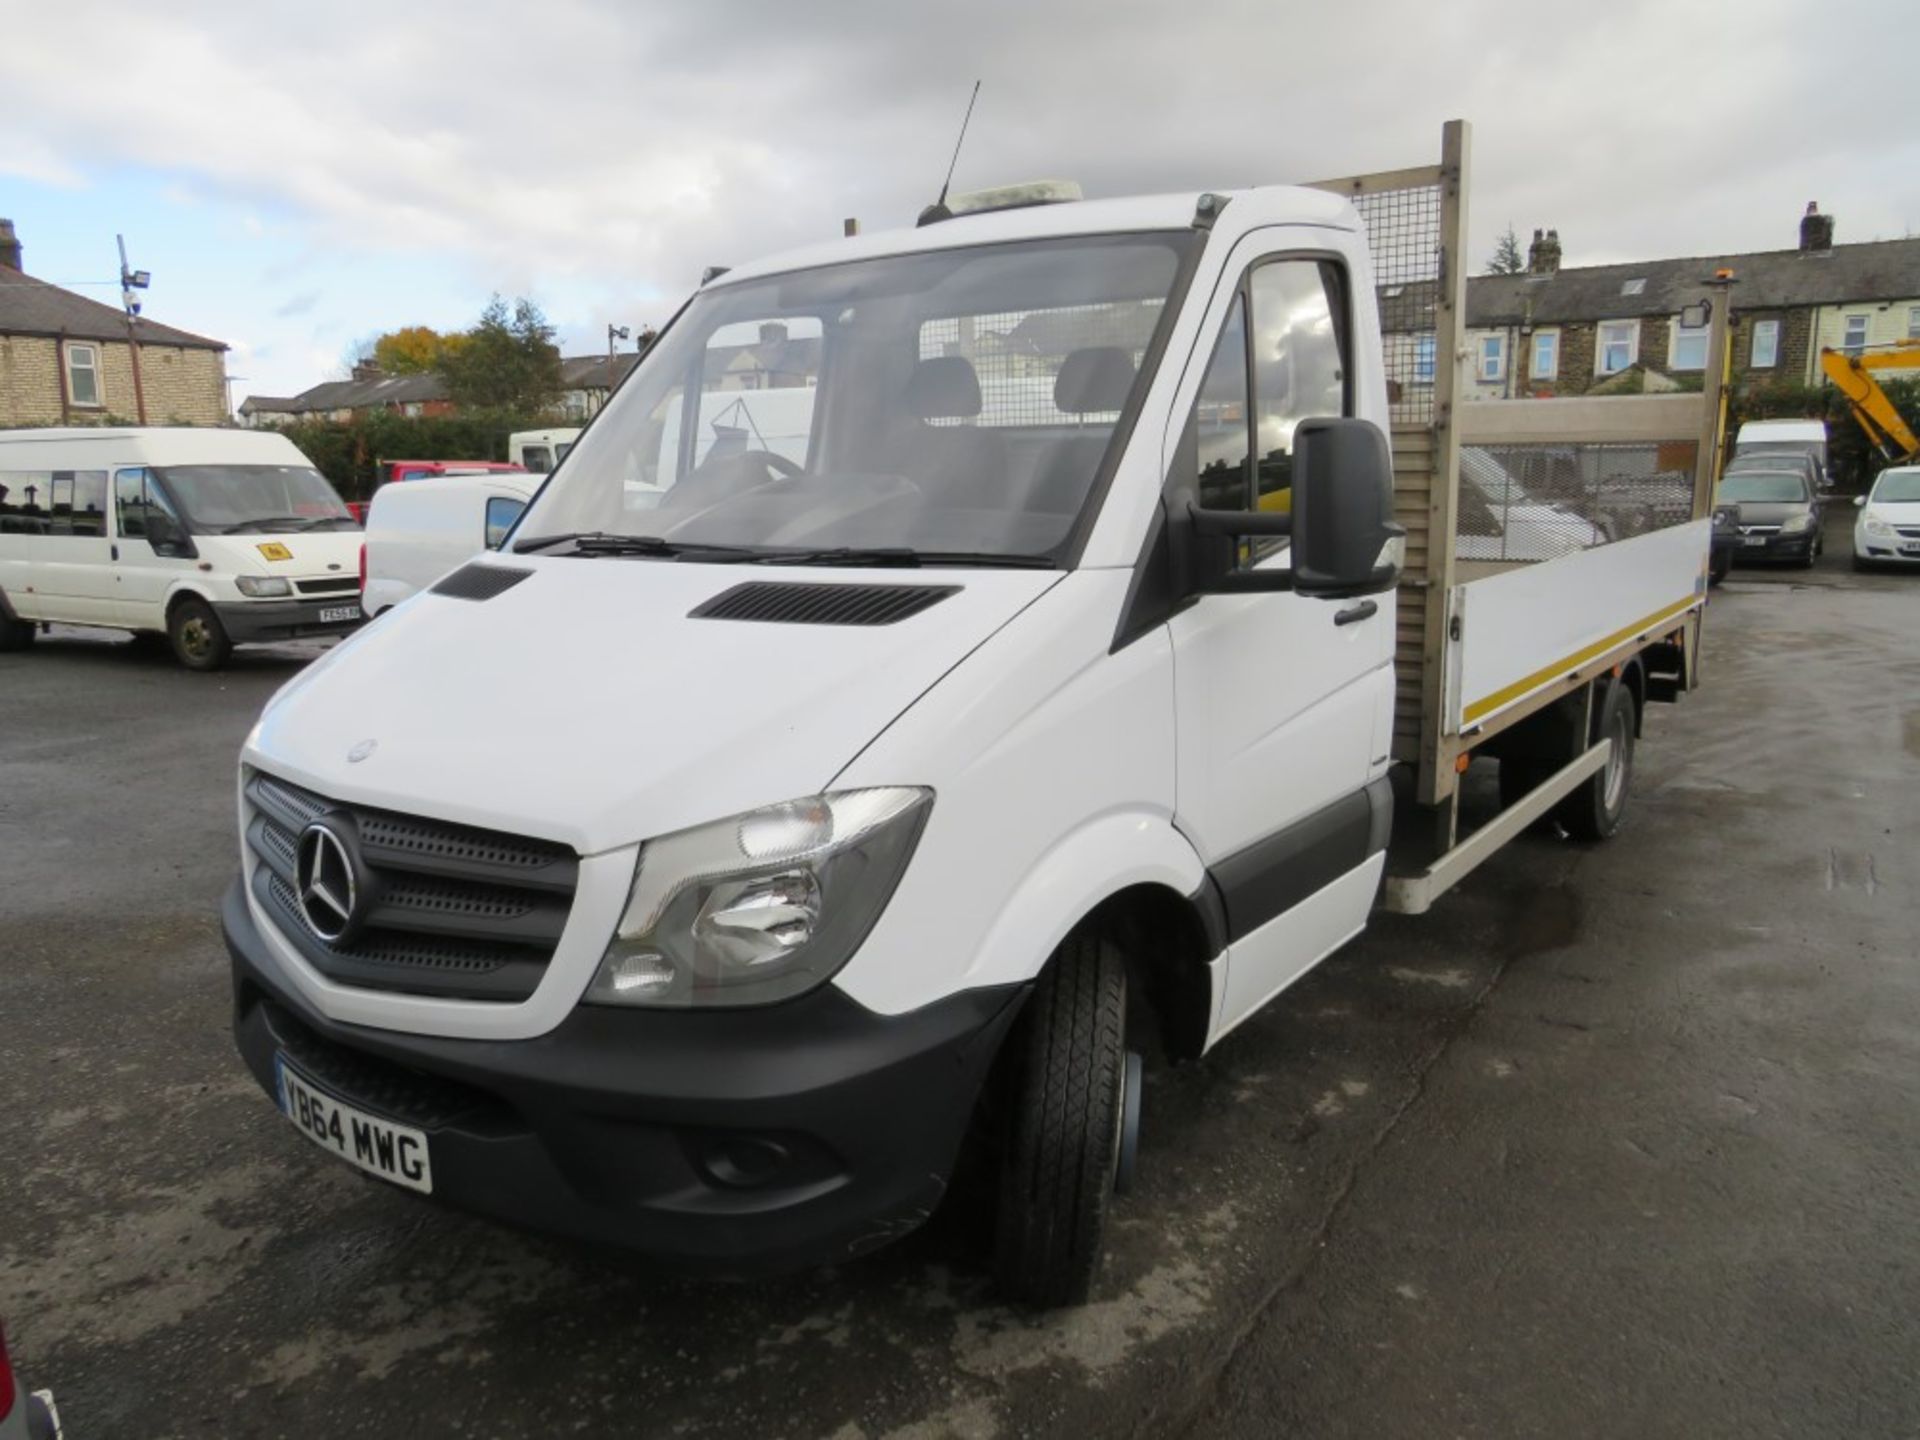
x,y
379,1147
1753,540
333,613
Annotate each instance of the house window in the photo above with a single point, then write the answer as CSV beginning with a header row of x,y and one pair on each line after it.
x,y
1689,348
1855,339
1619,345
1766,344
1423,359
1913,322
1546,355
1493,357
83,375
1637,286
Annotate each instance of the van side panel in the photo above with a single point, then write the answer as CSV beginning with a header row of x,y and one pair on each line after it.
x,y
1051,762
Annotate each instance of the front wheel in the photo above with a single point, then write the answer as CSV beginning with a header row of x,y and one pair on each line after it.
x,y
1595,810
1065,1117
198,638
16,634
1719,566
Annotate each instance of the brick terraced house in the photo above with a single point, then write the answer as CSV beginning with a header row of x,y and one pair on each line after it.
x,y
1596,328
68,360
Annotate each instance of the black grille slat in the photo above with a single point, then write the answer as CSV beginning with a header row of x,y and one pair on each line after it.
x,y
339,586
778,602
479,582
452,910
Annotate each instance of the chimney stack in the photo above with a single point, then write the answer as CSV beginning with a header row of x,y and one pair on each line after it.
x,y
9,247
1543,255
367,370
1816,230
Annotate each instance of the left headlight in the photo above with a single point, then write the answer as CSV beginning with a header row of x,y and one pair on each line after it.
x,y
762,906
262,587
1796,524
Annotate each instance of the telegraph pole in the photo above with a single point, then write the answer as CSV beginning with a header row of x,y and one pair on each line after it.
x,y
614,332
130,281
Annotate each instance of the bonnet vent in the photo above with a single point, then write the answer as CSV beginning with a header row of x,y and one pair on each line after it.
x,y
479,582
785,603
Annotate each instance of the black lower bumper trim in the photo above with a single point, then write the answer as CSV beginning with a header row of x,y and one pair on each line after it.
x,y
249,623
742,1142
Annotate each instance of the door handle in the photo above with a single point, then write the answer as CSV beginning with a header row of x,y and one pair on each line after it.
x,y
1365,610
115,550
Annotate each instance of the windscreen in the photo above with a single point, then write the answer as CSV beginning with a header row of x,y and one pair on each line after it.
x,y
254,499
1763,487
954,401
1897,487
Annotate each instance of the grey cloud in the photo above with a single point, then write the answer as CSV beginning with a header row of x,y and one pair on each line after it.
x,y
299,304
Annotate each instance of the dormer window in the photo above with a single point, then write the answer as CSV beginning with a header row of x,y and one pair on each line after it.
x,y
1636,286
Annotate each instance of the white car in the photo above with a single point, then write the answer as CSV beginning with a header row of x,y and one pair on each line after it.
x,y
213,538
419,530
1888,530
1500,521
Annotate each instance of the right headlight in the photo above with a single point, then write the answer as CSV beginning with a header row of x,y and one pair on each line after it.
x,y
762,906
1797,524
1876,526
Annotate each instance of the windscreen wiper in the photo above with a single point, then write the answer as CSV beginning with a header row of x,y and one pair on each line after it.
x,y
603,542
904,556
266,523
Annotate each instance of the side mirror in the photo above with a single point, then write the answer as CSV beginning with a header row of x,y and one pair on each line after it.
x,y
1858,501
168,539
1340,520
1345,541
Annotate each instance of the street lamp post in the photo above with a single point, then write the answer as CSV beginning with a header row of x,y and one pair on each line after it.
x,y
130,281
614,332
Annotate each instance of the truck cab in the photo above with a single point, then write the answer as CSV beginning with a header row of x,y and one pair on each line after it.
x,y
826,797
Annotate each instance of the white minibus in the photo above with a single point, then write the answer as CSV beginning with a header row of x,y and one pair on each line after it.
x,y
213,538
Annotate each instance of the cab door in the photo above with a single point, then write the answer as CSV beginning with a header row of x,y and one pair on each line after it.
x,y
1280,698
150,549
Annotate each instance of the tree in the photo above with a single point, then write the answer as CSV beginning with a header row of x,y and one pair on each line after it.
x,y
507,361
1508,259
411,350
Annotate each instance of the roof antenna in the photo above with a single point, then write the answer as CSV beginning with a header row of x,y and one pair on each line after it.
x,y
938,210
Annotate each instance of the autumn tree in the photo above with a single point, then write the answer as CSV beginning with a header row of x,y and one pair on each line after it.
x,y
507,361
411,350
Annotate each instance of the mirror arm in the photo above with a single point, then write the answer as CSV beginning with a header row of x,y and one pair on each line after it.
x,y
1250,582
1237,522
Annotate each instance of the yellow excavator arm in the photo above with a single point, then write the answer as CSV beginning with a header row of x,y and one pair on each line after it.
x,y
1853,376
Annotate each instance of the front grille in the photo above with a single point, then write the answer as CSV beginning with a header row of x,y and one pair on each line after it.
x,y
441,909
338,586
1759,529
1907,532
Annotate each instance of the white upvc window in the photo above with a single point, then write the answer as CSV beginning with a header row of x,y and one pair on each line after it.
x,y
1688,348
83,375
1493,357
1546,355
1766,345
1913,322
1854,339
1423,359
1619,346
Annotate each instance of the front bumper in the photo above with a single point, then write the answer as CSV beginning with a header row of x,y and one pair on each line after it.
x,y
741,1142
1776,547
253,620
1886,549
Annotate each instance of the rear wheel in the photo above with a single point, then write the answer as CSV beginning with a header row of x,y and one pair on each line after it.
x,y
198,638
1595,810
16,634
1065,1116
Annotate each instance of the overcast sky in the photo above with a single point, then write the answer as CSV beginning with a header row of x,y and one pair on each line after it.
x,y
299,176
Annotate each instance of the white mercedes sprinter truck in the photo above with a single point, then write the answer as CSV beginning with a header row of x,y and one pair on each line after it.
x,y
695,873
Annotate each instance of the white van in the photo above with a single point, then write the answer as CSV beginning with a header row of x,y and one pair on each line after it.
x,y
541,450
418,531
823,774
213,538
1774,437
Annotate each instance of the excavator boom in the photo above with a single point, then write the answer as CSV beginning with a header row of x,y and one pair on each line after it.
x,y
1852,375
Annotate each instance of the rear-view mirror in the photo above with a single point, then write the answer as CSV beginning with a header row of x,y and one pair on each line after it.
x,y
1345,541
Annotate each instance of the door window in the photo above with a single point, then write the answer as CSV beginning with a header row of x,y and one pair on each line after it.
x,y
537,458
78,503
143,511
502,511
1299,365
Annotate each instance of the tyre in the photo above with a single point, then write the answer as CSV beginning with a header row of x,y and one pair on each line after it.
x,y
16,634
198,638
1860,563
1719,567
1595,810
1063,1118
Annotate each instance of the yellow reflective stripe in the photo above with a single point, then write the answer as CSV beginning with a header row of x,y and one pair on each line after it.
x,y
1499,698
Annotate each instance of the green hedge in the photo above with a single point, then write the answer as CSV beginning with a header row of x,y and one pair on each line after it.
x,y
349,452
1850,459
